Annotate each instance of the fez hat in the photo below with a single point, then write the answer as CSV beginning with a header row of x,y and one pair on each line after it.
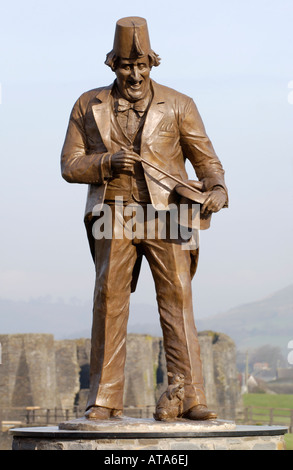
x,y
131,38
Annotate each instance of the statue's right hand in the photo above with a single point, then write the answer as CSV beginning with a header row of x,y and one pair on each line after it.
x,y
124,160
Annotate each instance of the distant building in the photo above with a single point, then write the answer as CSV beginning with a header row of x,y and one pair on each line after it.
x,y
285,374
258,366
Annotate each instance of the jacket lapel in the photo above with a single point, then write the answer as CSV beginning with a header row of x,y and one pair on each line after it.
x,y
155,113
102,115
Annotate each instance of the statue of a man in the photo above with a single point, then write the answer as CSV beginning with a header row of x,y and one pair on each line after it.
x,y
110,130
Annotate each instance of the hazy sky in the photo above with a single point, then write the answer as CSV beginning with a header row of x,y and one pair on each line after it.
x,y
233,57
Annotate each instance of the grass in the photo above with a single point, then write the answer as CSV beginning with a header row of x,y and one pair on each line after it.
x,y
271,401
289,441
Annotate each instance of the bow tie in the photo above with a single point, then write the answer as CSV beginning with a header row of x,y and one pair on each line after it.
x,y
124,105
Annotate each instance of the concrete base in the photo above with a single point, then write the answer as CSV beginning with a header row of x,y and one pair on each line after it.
x,y
149,435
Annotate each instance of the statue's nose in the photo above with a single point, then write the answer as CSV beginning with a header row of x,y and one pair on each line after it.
x,y
135,75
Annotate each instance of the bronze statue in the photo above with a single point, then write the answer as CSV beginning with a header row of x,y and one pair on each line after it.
x,y
130,140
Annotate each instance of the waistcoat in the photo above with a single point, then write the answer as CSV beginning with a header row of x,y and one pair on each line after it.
x,y
131,186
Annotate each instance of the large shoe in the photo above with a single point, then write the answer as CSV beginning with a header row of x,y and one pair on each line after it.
x,y
199,413
99,412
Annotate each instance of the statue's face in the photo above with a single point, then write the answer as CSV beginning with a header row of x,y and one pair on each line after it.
x,y
133,78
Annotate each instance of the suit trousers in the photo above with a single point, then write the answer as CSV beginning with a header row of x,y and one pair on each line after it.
x,y
170,266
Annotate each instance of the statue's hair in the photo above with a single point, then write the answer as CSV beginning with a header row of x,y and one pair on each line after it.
x,y
112,60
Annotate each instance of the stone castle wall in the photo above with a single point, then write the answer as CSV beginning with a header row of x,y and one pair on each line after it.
x,y
37,370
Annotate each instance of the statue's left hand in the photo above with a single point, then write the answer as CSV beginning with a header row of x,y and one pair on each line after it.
x,y
214,202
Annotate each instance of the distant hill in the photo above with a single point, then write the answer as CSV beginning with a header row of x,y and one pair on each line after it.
x,y
67,320
267,321
44,315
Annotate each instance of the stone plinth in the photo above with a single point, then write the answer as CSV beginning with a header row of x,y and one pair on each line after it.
x,y
149,435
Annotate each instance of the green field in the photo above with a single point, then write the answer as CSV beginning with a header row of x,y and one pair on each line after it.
x,y
271,401
289,441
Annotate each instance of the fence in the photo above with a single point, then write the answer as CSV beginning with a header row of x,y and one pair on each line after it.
x,y
42,416
36,416
263,415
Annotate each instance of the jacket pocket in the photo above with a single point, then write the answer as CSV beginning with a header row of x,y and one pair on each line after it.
x,y
167,134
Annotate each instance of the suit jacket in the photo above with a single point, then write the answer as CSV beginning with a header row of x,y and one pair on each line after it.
x,y
173,131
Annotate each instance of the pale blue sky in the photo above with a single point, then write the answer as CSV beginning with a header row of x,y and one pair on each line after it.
x,y
233,57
